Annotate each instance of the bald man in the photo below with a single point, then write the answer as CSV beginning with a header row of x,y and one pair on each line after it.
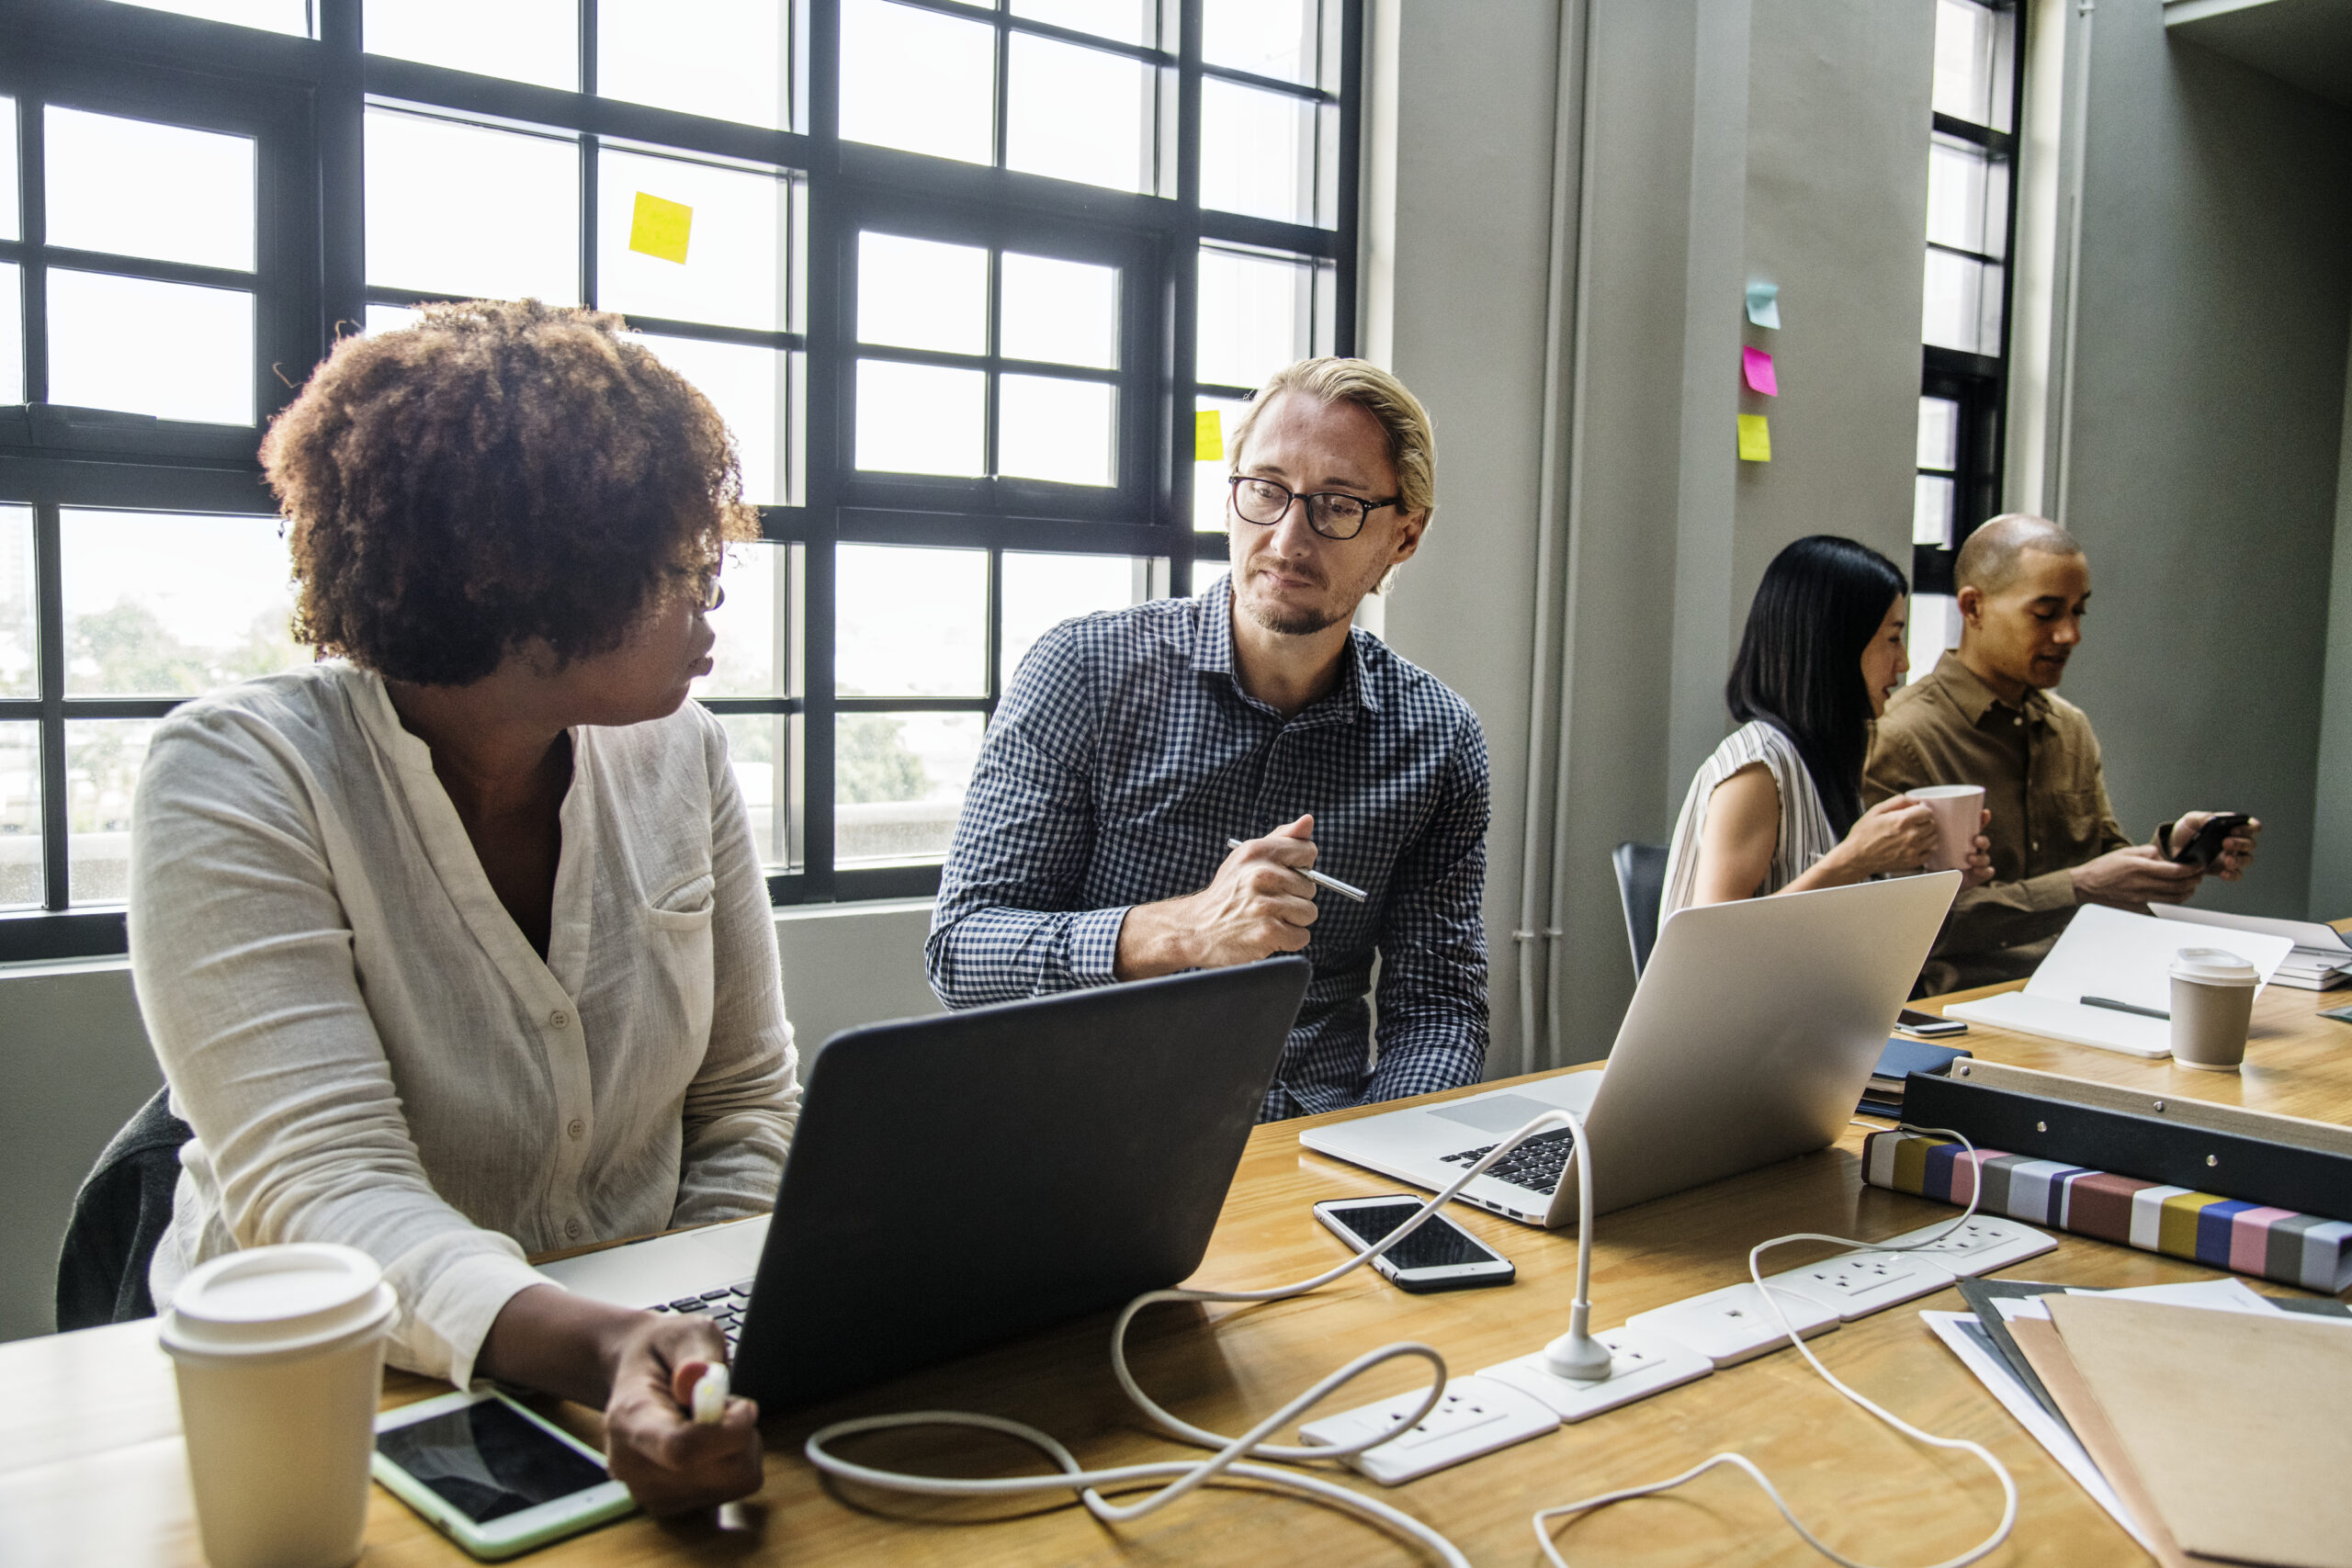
x,y
1988,714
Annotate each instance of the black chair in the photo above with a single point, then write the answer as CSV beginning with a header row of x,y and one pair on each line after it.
x,y
118,1217
1641,887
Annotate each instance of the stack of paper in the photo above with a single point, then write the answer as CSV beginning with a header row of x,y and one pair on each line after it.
x,y
2116,958
2321,959
2203,1417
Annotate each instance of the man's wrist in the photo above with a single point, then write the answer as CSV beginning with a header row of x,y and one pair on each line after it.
x,y
1153,940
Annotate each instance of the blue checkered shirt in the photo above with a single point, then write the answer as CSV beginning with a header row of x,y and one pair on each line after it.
x,y
1124,756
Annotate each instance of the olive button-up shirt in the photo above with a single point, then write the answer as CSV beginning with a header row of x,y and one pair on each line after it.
x,y
2039,765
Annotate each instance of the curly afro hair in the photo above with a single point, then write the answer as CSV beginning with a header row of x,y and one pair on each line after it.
x,y
499,472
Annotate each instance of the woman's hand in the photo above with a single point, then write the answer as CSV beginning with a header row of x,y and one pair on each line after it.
x,y
1979,869
642,1368
1898,834
669,1464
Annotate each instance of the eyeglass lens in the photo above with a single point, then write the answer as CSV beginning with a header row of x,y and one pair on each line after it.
x,y
1263,502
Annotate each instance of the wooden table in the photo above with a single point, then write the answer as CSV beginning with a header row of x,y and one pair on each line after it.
x,y
91,1465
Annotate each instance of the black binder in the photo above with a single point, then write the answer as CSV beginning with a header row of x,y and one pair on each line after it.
x,y
2240,1163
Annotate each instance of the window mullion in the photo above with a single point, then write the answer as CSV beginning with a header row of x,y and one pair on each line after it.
x,y
33,188
50,594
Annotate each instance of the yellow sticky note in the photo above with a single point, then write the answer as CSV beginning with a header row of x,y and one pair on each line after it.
x,y
659,228
1208,436
1755,438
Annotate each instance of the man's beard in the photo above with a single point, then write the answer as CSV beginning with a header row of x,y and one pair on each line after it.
x,y
1285,621
1294,623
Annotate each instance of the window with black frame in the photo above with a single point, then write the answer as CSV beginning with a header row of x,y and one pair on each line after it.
x,y
977,287
1971,205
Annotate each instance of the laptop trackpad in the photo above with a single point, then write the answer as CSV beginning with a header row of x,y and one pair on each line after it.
x,y
1494,1113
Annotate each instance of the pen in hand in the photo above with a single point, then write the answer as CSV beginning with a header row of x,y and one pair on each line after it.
x,y
1317,877
710,1394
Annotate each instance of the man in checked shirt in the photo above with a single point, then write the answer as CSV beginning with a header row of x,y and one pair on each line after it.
x,y
1133,744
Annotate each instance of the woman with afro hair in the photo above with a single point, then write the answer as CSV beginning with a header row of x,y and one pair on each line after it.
x,y
455,945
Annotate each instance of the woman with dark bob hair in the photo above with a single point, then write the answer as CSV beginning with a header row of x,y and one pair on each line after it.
x,y
455,945
1778,807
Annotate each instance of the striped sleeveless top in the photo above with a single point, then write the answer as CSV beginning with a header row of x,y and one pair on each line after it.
x,y
1806,835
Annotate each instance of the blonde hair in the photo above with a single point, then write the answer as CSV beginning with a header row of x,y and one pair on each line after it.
x,y
1412,442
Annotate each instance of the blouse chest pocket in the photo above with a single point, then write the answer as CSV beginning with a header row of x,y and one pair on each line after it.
x,y
681,951
686,907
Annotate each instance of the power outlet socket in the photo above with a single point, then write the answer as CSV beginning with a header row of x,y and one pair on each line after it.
x,y
1640,1364
1984,1243
1734,1325
1476,1415
1856,1284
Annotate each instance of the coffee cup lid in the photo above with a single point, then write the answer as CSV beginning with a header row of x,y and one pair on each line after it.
x,y
272,1301
2213,966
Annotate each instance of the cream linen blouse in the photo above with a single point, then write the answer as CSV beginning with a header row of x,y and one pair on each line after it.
x,y
371,1052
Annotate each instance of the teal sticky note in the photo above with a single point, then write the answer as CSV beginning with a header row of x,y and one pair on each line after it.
x,y
1764,304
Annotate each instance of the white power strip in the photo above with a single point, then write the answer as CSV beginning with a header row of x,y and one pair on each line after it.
x,y
1856,1284
1476,1417
1981,1243
1668,1347
1639,1365
1733,1325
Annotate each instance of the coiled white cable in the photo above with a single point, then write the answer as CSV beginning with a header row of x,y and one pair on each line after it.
x,y
1232,1453
2008,1485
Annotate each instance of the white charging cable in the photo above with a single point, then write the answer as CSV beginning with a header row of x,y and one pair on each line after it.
x,y
1543,1517
1232,1453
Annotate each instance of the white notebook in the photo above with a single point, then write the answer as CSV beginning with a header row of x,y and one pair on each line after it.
x,y
2119,957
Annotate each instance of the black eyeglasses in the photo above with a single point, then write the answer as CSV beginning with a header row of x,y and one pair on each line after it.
x,y
1330,512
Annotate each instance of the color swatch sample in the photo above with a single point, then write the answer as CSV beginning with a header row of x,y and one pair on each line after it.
x,y
1757,366
659,228
2220,1233
1764,304
1755,438
1208,436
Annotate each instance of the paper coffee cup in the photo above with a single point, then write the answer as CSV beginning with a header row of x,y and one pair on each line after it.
x,y
1959,811
2212,1003
279,1352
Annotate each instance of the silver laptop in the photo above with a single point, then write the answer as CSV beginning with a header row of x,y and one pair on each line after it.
x,y
1750,1037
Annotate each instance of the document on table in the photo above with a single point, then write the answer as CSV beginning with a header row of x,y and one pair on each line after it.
x,y
1964,1335
2318,948
2235,1431
2118,957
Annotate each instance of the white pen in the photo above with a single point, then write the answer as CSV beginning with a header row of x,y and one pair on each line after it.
x,y
710,1394
1317,877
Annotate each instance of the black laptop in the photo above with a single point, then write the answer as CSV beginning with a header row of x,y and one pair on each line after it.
x,y
960,1180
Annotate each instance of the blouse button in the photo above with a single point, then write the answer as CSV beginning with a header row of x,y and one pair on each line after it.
x,y
572,1229
558,1020
575,1128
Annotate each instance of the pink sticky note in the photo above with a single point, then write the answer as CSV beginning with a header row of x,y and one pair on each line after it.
x,y
1759,366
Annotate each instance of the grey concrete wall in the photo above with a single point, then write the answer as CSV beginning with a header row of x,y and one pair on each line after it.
x,y
78,1065
2331,890
2204,460
1837,203
1779,140
1473,172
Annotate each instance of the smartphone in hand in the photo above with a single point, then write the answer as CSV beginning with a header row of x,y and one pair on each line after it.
x,y
2206,848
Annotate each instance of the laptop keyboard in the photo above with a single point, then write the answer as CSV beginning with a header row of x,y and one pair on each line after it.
x,y
724,1306
1536,1165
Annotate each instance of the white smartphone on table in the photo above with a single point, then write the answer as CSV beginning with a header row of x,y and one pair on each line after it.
x,y
1438,1256
492,1476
